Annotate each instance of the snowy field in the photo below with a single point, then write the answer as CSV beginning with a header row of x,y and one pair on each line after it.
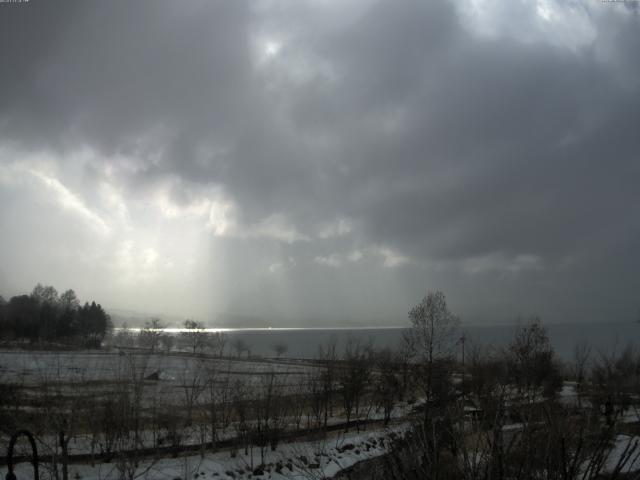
x,y
85,379
32,368
162,376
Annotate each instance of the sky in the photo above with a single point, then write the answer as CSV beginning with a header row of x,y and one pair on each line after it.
x,y
322,163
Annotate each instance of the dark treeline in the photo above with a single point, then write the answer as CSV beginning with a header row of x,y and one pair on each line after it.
x,y
45,316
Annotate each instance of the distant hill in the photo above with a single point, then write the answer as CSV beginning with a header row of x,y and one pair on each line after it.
x,y
136,319
231,320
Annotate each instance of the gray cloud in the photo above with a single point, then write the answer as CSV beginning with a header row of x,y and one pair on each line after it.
x,y
309,161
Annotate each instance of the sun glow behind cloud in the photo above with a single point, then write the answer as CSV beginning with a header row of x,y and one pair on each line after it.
x,y
267,49
272,48
147,241
114,241
568,24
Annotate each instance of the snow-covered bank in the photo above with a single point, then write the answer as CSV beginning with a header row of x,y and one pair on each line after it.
x,y
312,459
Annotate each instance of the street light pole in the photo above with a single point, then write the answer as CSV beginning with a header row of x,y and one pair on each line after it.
x,y
463,338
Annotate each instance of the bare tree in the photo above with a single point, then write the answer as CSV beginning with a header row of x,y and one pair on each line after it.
x,y
218,343
403,355
240,403
45,294
213,400
386,383
63,410
298,402
354,377
69,301
123,337
580,367
225,396
615,383
316,397
192,378
328,357
150,335
195,336
531,361
432,335
269,412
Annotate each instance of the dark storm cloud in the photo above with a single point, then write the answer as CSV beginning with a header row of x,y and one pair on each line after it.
x,y
475,160
506,147
110,73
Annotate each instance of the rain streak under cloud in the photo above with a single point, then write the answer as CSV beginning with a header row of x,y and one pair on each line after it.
x,y
323,163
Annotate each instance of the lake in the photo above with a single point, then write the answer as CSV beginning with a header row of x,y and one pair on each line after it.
x,y
304,342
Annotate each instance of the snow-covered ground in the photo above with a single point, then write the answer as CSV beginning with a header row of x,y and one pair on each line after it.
x,y
626,451
322,458
34,367
165,376
97,375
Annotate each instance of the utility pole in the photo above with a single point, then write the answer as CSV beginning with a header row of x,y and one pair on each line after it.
x,y
462,340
